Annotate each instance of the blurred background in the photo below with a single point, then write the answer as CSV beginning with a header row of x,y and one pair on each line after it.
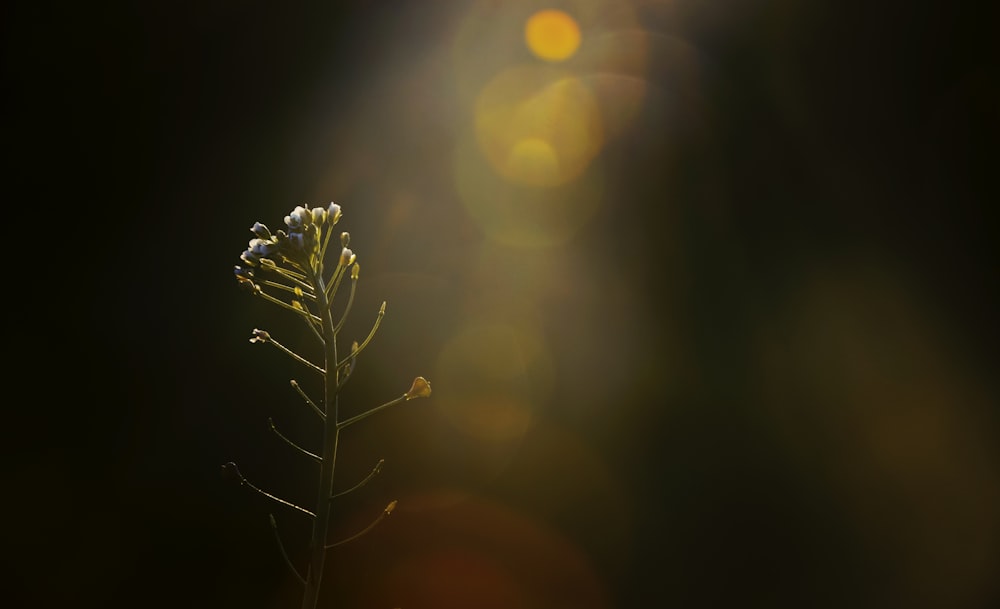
x,y
703,290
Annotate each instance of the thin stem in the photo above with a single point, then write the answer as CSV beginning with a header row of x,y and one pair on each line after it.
x,y
371,474
338,274
293,276
290,289
347,307
296,356
347,369
285,305
273,265
305,397
292,444
312,323
300,271
388,510
331,438
326,241
368,339
232,467
368,413
281,548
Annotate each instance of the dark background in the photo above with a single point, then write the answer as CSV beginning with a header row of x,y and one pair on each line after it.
x,y
773,383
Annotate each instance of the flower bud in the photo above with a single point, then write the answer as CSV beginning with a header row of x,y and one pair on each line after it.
x,y
260,336
260,231
355,271
345,239
299,218
318,215
421,388
242,273
250,258
333,214
346,257
263,248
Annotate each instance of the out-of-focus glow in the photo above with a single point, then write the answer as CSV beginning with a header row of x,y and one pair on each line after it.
x,y
538,127
519,215
619,97
478,553
488,370
900,420
534,160
552,35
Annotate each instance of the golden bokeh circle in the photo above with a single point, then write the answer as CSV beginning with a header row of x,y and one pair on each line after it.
x,y
552,35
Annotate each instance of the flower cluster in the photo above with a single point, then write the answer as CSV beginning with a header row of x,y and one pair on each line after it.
x,y
302,244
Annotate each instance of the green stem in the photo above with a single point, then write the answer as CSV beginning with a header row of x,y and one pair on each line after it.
x,y
331,436
368,413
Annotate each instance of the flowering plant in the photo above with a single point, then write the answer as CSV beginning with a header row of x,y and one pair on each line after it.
x,y
290,263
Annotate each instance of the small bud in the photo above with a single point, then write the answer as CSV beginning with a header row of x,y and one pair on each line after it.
x,y
299,218
346,257
250,258
260,336
263,248
333,214
345,239
421,388
354,347
389,508
260,231
355,271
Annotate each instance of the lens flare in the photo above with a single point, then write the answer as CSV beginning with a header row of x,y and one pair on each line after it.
x,y
552,35
538,126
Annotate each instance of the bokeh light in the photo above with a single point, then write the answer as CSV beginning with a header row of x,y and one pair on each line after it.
x,y
552,35
487,371
538,126
477,553
519,215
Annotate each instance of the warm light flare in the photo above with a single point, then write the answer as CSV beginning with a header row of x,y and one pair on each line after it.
x,y
537,126
552,35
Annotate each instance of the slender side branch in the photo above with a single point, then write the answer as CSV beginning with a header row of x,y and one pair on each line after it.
x,y
294,290
285,305
350,298
368,413
345,371
315,331
388,510
305,397
305,452
368,339
331,288
371,474
231,467
284,554
294,355
297,277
